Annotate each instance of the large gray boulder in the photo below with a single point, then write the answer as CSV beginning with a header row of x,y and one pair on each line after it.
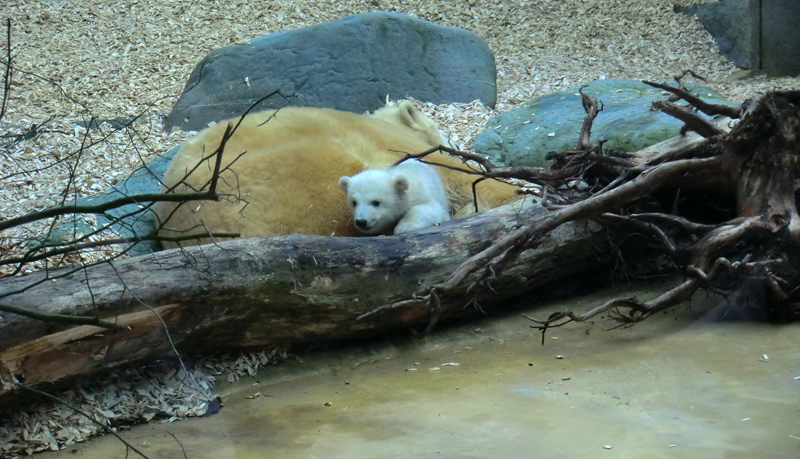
x,y
350,64
524,136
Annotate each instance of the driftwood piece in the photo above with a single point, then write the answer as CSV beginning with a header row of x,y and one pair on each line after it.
x,y
284,289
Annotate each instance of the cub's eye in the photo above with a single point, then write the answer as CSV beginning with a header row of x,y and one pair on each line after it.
x,y
354,203
376,203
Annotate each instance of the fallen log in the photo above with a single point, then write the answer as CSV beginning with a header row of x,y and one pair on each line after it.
x,y
261,291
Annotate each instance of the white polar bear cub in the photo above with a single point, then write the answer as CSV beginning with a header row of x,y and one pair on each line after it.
x,y
408,196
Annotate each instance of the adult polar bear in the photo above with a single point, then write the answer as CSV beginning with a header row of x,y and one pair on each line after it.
x,y
282,170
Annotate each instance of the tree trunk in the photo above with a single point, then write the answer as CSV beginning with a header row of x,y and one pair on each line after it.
x,y
284,289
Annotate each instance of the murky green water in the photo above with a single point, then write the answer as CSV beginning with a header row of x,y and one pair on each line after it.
x,y
670,387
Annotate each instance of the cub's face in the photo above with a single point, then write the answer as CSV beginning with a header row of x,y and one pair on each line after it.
x,y
375,200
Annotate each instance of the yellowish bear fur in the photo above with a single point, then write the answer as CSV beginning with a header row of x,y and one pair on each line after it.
x,y
286,168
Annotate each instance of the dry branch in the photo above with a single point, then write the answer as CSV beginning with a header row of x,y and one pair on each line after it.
x,y
7,74
692,120
697,102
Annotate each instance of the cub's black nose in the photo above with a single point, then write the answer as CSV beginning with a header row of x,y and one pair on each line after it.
x,y
361,224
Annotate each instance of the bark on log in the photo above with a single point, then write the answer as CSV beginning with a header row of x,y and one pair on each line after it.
x,y
284,289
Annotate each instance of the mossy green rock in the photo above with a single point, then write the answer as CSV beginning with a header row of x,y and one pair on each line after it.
x,y
524,136
125,221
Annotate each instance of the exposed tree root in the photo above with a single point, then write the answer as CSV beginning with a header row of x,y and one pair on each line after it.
x,y
756,162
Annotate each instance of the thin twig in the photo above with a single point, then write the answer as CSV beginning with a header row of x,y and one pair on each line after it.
x,y
62,318
180,444
104,207
7,77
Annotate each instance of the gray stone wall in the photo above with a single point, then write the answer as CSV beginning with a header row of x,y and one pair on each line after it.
x,y
754,34
780,34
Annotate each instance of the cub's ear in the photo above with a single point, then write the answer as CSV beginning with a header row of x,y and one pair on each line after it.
x,y
343,182
400,185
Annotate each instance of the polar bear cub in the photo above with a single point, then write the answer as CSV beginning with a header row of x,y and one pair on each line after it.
x,y
405,197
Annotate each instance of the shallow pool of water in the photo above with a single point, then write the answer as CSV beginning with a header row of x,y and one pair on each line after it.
x,y
669,387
